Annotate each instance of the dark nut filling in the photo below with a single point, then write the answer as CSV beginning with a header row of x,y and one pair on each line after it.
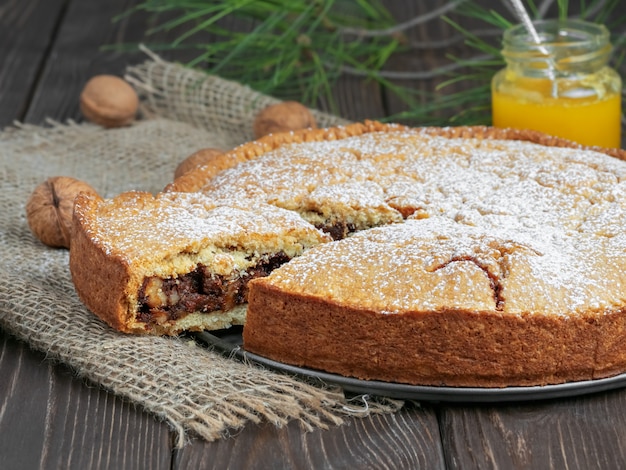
x,y
162,300
338,230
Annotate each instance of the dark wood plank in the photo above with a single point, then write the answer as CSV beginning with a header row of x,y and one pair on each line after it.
x,y
409,439
577,433
50,419
430,43
76,56
356,99
88,43
27,28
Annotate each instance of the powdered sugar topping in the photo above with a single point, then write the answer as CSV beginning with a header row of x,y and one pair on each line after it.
x,y
136,226
519,226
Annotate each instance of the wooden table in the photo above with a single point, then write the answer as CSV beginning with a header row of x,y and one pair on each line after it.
x,y
51,419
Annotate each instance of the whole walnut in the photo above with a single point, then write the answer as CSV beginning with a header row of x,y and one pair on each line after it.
x,y
109,101
283,117
50,207
196,159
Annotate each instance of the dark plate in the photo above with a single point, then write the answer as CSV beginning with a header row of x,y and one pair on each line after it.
x,y
230,342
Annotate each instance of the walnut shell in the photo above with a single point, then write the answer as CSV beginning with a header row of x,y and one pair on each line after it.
x,y
196,159
50,206
109,101
283,117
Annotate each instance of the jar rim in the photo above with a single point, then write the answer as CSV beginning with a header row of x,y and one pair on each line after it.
x,y
555,33
565,47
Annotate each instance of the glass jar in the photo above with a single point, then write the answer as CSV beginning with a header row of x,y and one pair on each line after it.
x,y
561,86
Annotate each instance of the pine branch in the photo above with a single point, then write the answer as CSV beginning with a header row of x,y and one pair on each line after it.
x,y
298,49
400,27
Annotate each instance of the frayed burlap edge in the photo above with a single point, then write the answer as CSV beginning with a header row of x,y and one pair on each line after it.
x,y
202,100
194,389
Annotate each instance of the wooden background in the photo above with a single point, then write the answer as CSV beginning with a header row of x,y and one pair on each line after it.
x,y
51,419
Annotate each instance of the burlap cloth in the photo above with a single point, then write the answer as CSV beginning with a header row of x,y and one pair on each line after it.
x,y
195,390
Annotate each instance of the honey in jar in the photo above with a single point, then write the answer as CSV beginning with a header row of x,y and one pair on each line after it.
x,y
562,85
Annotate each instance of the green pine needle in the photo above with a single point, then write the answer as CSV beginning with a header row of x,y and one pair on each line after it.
x,y
298,49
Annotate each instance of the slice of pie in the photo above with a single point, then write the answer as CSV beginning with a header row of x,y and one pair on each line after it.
x,y
177,261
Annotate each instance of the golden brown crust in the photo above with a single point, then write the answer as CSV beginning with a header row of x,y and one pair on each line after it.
x,y
123,241
450,347
196,179
99,278
196,160
610,354
543,339
536,137
440,303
